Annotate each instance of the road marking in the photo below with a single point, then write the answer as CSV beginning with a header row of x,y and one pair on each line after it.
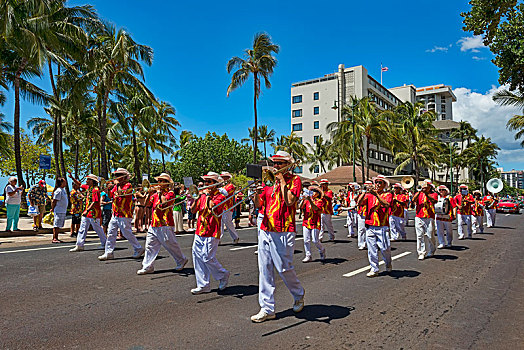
x,y
256,245
363,269
44,248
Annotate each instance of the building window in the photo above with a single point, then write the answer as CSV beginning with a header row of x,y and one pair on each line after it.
x,y
297,113
315,139
315,96
297,99
317,169
443,116
298,170
297,127
316,124
316,110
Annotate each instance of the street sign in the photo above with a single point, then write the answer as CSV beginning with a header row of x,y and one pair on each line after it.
x,y
45,162
188,181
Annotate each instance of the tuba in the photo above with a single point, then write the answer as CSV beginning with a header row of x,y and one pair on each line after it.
x,y
495,185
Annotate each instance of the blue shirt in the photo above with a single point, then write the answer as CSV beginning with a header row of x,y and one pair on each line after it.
x,y
105,198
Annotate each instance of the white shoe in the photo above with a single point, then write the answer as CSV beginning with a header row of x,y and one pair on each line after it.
x,y
262,316
145,271
223,282
180,267
256,252
299,304
421,256
346,225
372,273
235,241
200,290
323,254
77,248
440,246
307,259
361,248
138,253
108,256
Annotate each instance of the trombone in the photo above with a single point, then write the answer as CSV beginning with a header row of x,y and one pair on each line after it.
x,y
269,173
255,183
194,191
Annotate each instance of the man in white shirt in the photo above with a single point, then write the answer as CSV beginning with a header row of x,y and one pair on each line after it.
x,y
59,207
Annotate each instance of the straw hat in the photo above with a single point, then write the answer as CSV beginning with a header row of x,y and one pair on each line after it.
x,y
12,178
464,186
92,177
397,185
426,183
382,178
317,188
282,156
324,182
212,176
225,174
164,176
443,187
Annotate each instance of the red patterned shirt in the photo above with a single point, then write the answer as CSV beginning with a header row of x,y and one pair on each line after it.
x,y
376,214
328,202
230,189
76,202
312,217
424,208
279,217
362,209
122,205
399,204
490,202
93,195
162,217
208,225
466,202
478,208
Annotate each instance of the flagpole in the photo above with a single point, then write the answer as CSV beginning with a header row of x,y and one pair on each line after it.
x,y
380,73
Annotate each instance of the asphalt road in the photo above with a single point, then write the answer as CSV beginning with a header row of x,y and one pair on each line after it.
x,y
468,297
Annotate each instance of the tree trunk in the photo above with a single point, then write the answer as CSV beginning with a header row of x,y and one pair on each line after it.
x,y
56,138
265,153
16,130
362,165
163,162
256,119
367,156
102,123
135,153
91,156
99,164
77,153
148,165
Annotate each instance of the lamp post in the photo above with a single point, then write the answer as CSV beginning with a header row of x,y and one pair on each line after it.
x,y
451,145
335,106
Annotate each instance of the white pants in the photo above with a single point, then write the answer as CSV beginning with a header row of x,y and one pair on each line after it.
x,y
351,221
311,234
490,217
85,223
378,237
477,224
396,227
275,250
260,218
326,224
227,222
361,220
441,227
124,224
178,218
205,261
424,228
461,221
161,237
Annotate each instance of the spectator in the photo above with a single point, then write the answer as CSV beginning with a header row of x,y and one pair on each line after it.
x,y
177,210
107,211
12,201
190,216
37,198
59,207
77,207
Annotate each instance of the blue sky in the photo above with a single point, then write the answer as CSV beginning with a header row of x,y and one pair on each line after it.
x,y
421,42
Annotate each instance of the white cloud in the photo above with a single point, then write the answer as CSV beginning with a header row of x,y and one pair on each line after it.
x,y
477,58
490,120
438,49
471,43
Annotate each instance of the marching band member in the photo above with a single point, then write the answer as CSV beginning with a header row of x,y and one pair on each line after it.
x,y
378,203
122,196
351,203
326,223
425,200
443,221
276,240
227,218
396,217
92,214
207,237
361,217
490,202
477,213
312,205
162,229
464,202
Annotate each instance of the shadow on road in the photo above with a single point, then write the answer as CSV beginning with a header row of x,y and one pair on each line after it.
x,y
485,233
333,261
477,239
457,248
239,291
445,257
505,227
313,313
405,241
186,272
396,274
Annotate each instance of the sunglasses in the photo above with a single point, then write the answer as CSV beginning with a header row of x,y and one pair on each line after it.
x,y
279,163
208,181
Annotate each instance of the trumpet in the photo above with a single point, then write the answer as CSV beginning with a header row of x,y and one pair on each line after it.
x,y
269,173
195,191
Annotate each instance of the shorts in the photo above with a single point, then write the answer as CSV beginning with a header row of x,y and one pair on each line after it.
x,y
76,219
41,209
190,215
107,214
59,220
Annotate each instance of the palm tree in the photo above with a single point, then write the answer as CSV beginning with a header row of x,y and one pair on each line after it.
x,y
480,157
320,155
258,61
5,128
464,132
265,136
164,125
293,145
516,123
250,138
415,141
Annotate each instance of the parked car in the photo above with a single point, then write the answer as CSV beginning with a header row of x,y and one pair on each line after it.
x,y
508,206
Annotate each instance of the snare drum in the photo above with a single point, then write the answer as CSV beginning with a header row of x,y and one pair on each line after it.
x,y
443,206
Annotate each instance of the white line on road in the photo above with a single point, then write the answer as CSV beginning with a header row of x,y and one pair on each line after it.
x,y
363,269
43,248
256,245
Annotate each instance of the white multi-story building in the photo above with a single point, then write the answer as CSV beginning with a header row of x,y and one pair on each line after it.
x,y
316,103
514,178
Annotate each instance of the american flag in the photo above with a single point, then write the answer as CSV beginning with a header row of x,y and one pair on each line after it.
x,y
384,69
